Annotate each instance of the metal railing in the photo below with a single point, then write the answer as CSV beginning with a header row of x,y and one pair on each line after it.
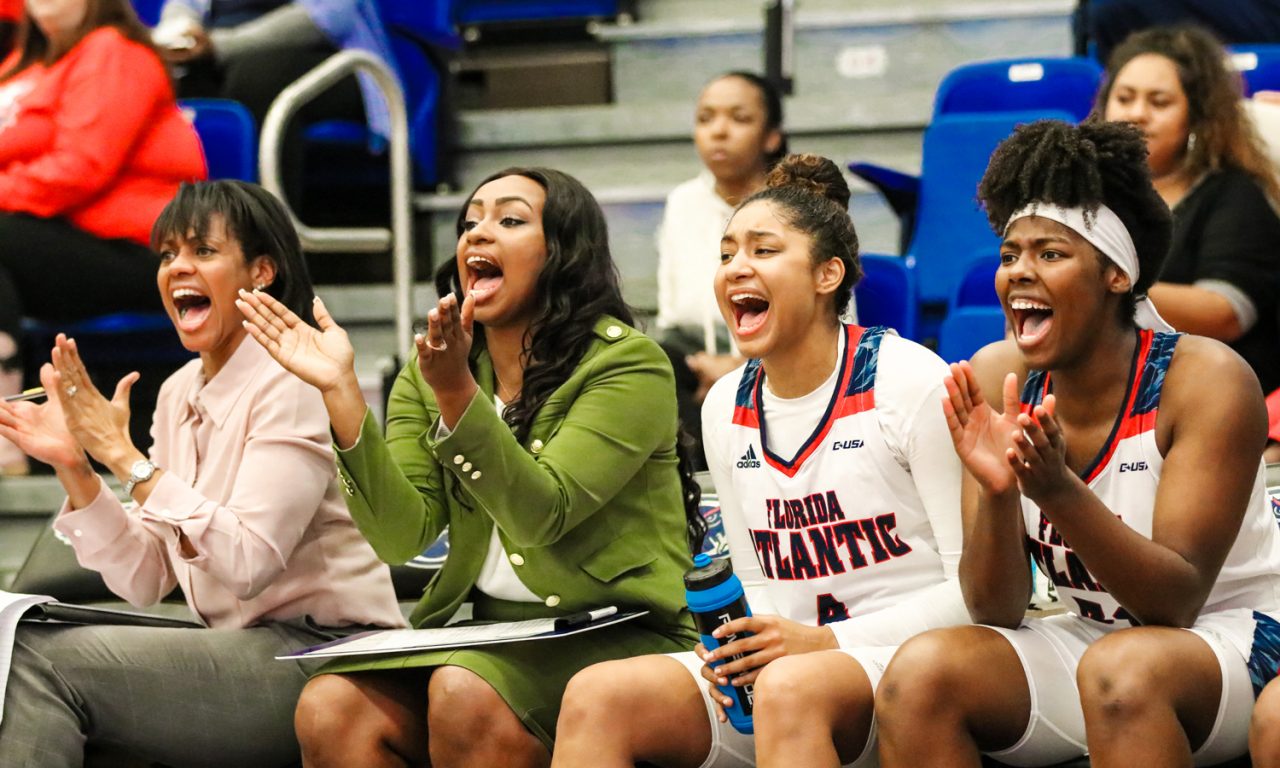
x,y
399,238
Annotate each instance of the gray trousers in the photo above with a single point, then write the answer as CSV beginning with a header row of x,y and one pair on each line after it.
x,y
181,697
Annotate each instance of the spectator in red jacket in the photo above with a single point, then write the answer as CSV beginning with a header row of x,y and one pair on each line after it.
x,y
92,147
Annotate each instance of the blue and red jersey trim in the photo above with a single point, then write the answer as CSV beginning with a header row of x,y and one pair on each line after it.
x,y
1142,397
854,393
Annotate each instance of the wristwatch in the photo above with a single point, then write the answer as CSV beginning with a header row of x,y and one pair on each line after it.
x,y
141,471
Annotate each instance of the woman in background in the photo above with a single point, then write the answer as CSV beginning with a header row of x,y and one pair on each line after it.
x,y
1222,276
738,134
92,147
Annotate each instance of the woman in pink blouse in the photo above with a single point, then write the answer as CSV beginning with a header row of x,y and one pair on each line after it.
x,y
237,505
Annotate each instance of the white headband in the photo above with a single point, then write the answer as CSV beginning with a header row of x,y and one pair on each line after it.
x,y
1104,230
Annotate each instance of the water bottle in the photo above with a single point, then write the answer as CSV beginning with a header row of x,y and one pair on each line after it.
x,y
715,597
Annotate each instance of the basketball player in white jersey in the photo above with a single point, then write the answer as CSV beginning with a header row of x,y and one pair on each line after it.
x,y
1125,459
840,497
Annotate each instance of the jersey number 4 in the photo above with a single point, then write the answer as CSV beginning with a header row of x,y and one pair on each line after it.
x,y
831,609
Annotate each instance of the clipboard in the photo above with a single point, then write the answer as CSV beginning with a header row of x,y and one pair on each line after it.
x,y
403,641
66,613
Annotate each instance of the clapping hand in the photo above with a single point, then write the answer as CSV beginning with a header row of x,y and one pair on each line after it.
x,y
40,431
323,358
444,349
1039,456
983,439
99,425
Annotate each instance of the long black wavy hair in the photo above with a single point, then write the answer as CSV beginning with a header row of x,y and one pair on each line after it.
x,y
579,283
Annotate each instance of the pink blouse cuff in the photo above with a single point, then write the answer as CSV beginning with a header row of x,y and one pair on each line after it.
x,y
96,526
176,505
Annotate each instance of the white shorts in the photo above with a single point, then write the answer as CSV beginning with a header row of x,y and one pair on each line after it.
x,y
1050,650
731,749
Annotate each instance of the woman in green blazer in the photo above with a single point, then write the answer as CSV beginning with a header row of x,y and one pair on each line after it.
x,y
541,429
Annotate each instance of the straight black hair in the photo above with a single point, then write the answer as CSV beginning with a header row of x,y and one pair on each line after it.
x,y
257,220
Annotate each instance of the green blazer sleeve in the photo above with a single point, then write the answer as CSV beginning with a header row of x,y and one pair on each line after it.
x,y
395,487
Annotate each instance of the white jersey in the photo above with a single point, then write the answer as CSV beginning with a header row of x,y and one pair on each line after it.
x,y
1124,476
838,529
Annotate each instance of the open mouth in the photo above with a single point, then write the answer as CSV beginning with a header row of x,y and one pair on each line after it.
x,y
1031,320
484,277
192,308
750,310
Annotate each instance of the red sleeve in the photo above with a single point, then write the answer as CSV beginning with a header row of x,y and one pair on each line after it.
x,y
1273,416
10,10
110,93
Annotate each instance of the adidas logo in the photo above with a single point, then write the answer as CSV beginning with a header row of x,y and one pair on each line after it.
x,y
749,460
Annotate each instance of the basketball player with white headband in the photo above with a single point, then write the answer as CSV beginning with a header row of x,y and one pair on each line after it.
x,y
1125,459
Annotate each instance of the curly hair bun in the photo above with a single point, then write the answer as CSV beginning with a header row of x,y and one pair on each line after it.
x,y
810,173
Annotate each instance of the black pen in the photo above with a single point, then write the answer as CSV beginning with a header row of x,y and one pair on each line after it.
x,y
583,618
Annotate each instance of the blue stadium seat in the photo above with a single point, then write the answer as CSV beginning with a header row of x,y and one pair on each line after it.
x,y
468,12
417,31
148,11
417,35
1020,85
976,106
977,286
968,329
1259,66
949,220
228,135
887,294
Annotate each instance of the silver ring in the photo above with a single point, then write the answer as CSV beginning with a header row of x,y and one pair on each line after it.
x,y
72,390
443,346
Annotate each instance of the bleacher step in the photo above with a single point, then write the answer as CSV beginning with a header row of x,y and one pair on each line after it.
x,y
842,51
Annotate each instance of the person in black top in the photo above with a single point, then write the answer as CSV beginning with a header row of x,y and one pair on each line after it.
x,y
1107,23
1222,275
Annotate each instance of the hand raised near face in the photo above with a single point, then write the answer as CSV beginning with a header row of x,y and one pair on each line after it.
x,y
1039,456
983,439
40,431
444,350
324,357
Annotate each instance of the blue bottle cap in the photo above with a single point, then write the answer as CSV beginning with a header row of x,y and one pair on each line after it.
x,y
707,573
